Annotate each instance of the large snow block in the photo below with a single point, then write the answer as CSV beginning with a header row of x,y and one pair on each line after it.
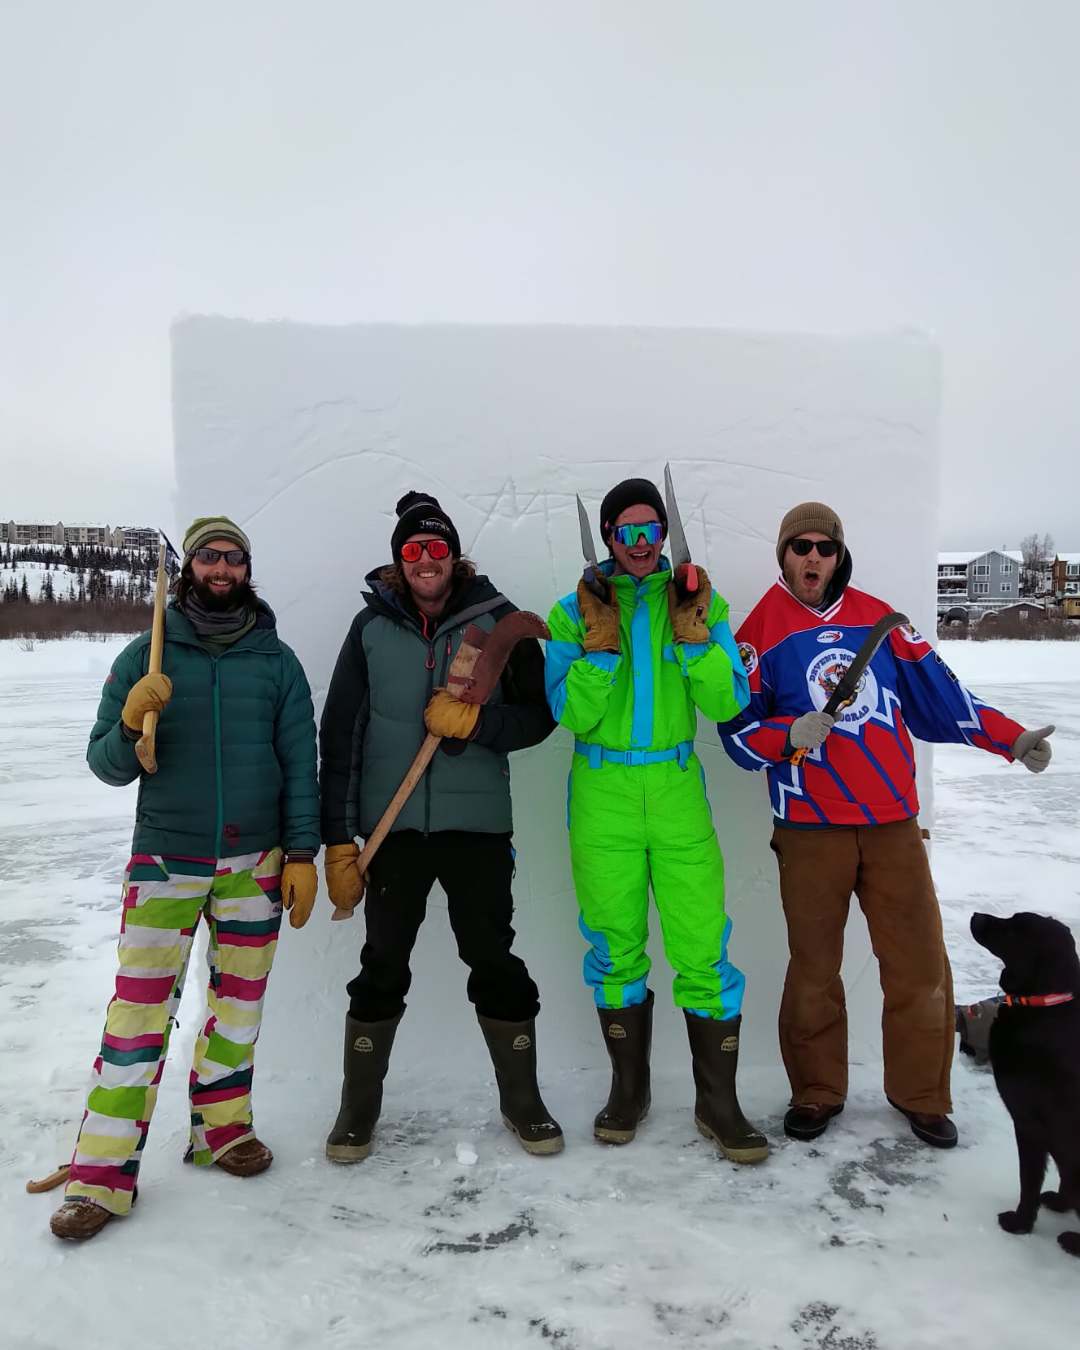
x,y
308,435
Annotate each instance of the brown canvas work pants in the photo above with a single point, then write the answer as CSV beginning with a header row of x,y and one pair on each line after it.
x,y
887,869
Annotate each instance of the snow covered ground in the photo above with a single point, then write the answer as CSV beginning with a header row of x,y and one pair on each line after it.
x,y
449,1235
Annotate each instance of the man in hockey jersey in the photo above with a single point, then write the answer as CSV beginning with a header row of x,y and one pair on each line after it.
x,y
627,671
846,820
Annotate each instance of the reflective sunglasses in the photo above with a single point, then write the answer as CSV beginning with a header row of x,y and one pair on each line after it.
x,y
827,548
235,557
434,548
629,535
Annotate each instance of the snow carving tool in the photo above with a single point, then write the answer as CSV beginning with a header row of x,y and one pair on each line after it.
x,y
145,747
686,574
594,578
50,1182
474,672
848,684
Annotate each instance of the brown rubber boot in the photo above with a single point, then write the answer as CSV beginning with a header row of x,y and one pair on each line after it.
x,y
628,1039
79,1218
367,1057
714,1048
512,1046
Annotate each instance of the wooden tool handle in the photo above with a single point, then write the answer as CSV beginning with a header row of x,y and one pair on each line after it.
x,y
145,747
386,822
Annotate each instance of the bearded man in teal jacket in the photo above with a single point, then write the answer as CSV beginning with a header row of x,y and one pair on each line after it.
x,y
227,828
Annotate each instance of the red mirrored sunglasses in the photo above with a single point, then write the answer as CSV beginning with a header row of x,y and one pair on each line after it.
x,y
434,548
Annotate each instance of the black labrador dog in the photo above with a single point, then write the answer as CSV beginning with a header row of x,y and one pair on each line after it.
x,y
1035,1055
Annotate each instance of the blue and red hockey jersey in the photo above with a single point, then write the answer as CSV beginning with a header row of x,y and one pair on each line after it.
x,y
864,773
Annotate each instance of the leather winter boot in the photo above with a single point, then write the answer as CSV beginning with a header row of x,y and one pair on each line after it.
x,y
512,1046
714,1048
367,1056
628,1038
79,1218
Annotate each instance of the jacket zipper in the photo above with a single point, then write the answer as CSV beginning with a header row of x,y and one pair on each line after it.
x,y
218,775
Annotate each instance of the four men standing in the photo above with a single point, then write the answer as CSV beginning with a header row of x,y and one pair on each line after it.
x,y
230,826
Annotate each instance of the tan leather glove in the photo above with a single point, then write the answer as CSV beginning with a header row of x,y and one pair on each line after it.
x,y
689,610
299,883
344,880
601,620
150,694
446,715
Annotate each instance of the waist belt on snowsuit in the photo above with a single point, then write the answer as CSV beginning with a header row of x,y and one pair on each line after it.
x,y
598,754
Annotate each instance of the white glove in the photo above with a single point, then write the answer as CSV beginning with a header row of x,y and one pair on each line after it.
x,y
1032,749
808,731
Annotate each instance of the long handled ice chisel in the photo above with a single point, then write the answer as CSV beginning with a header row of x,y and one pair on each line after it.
x,y
145,747
848,684
474,672
594,578
680,549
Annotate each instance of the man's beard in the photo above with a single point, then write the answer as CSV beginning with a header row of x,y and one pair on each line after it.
x,y
239,596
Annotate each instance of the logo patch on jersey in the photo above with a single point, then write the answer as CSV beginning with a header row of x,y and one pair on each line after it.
x,y
825,673
749,657
910,633
830,635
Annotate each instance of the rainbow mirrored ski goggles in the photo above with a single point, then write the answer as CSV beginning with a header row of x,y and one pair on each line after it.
x,y
629,535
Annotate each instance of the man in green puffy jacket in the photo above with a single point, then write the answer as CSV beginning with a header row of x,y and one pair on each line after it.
x,y
627,671
227,828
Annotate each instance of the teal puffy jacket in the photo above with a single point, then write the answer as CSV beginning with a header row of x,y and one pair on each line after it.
x,y
235,745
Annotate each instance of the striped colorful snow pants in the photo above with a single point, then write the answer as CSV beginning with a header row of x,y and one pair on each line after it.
x,y
163,899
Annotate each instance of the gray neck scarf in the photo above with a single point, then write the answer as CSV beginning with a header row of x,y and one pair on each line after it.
x,y
217,627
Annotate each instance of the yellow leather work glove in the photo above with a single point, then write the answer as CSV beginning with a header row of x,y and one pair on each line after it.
x,y
690,610
601,620
344,880
446,715
150,694
299,883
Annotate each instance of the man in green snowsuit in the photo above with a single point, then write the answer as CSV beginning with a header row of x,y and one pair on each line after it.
x,y
626,672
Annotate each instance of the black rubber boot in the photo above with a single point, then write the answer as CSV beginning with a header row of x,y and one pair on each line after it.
x,y
367,1056
512,1046
714,1047
628,1038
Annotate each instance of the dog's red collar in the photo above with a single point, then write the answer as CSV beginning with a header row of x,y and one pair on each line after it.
x,y
1035,1000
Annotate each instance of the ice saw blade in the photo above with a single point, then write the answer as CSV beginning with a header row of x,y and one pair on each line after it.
x,y
594,578
680,549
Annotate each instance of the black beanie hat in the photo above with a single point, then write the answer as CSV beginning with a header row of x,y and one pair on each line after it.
x,y
630,492
420,513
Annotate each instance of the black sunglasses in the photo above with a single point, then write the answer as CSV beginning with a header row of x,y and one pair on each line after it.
x,y
826,547
235,557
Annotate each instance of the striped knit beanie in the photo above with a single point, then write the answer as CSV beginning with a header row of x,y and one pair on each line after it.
x,y
206,528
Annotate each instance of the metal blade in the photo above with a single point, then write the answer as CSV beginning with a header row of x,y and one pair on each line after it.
x,y
680,549
848,685
588,548
594,578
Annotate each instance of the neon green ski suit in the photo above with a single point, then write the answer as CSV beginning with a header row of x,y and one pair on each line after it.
x,y
637,809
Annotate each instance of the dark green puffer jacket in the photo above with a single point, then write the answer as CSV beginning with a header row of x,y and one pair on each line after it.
x,y
235,745
373,721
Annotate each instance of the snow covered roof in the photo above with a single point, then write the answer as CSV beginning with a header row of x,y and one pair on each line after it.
x,y
1068,557
969,555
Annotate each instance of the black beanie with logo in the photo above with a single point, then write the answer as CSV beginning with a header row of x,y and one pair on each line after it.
x,y
420,513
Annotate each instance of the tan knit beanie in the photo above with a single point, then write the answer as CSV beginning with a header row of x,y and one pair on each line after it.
x,y
809,516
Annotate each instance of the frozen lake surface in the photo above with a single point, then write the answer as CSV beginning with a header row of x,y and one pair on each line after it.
x,y
449,1234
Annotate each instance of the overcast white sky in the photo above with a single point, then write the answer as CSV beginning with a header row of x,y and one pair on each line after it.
x,y
840,165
